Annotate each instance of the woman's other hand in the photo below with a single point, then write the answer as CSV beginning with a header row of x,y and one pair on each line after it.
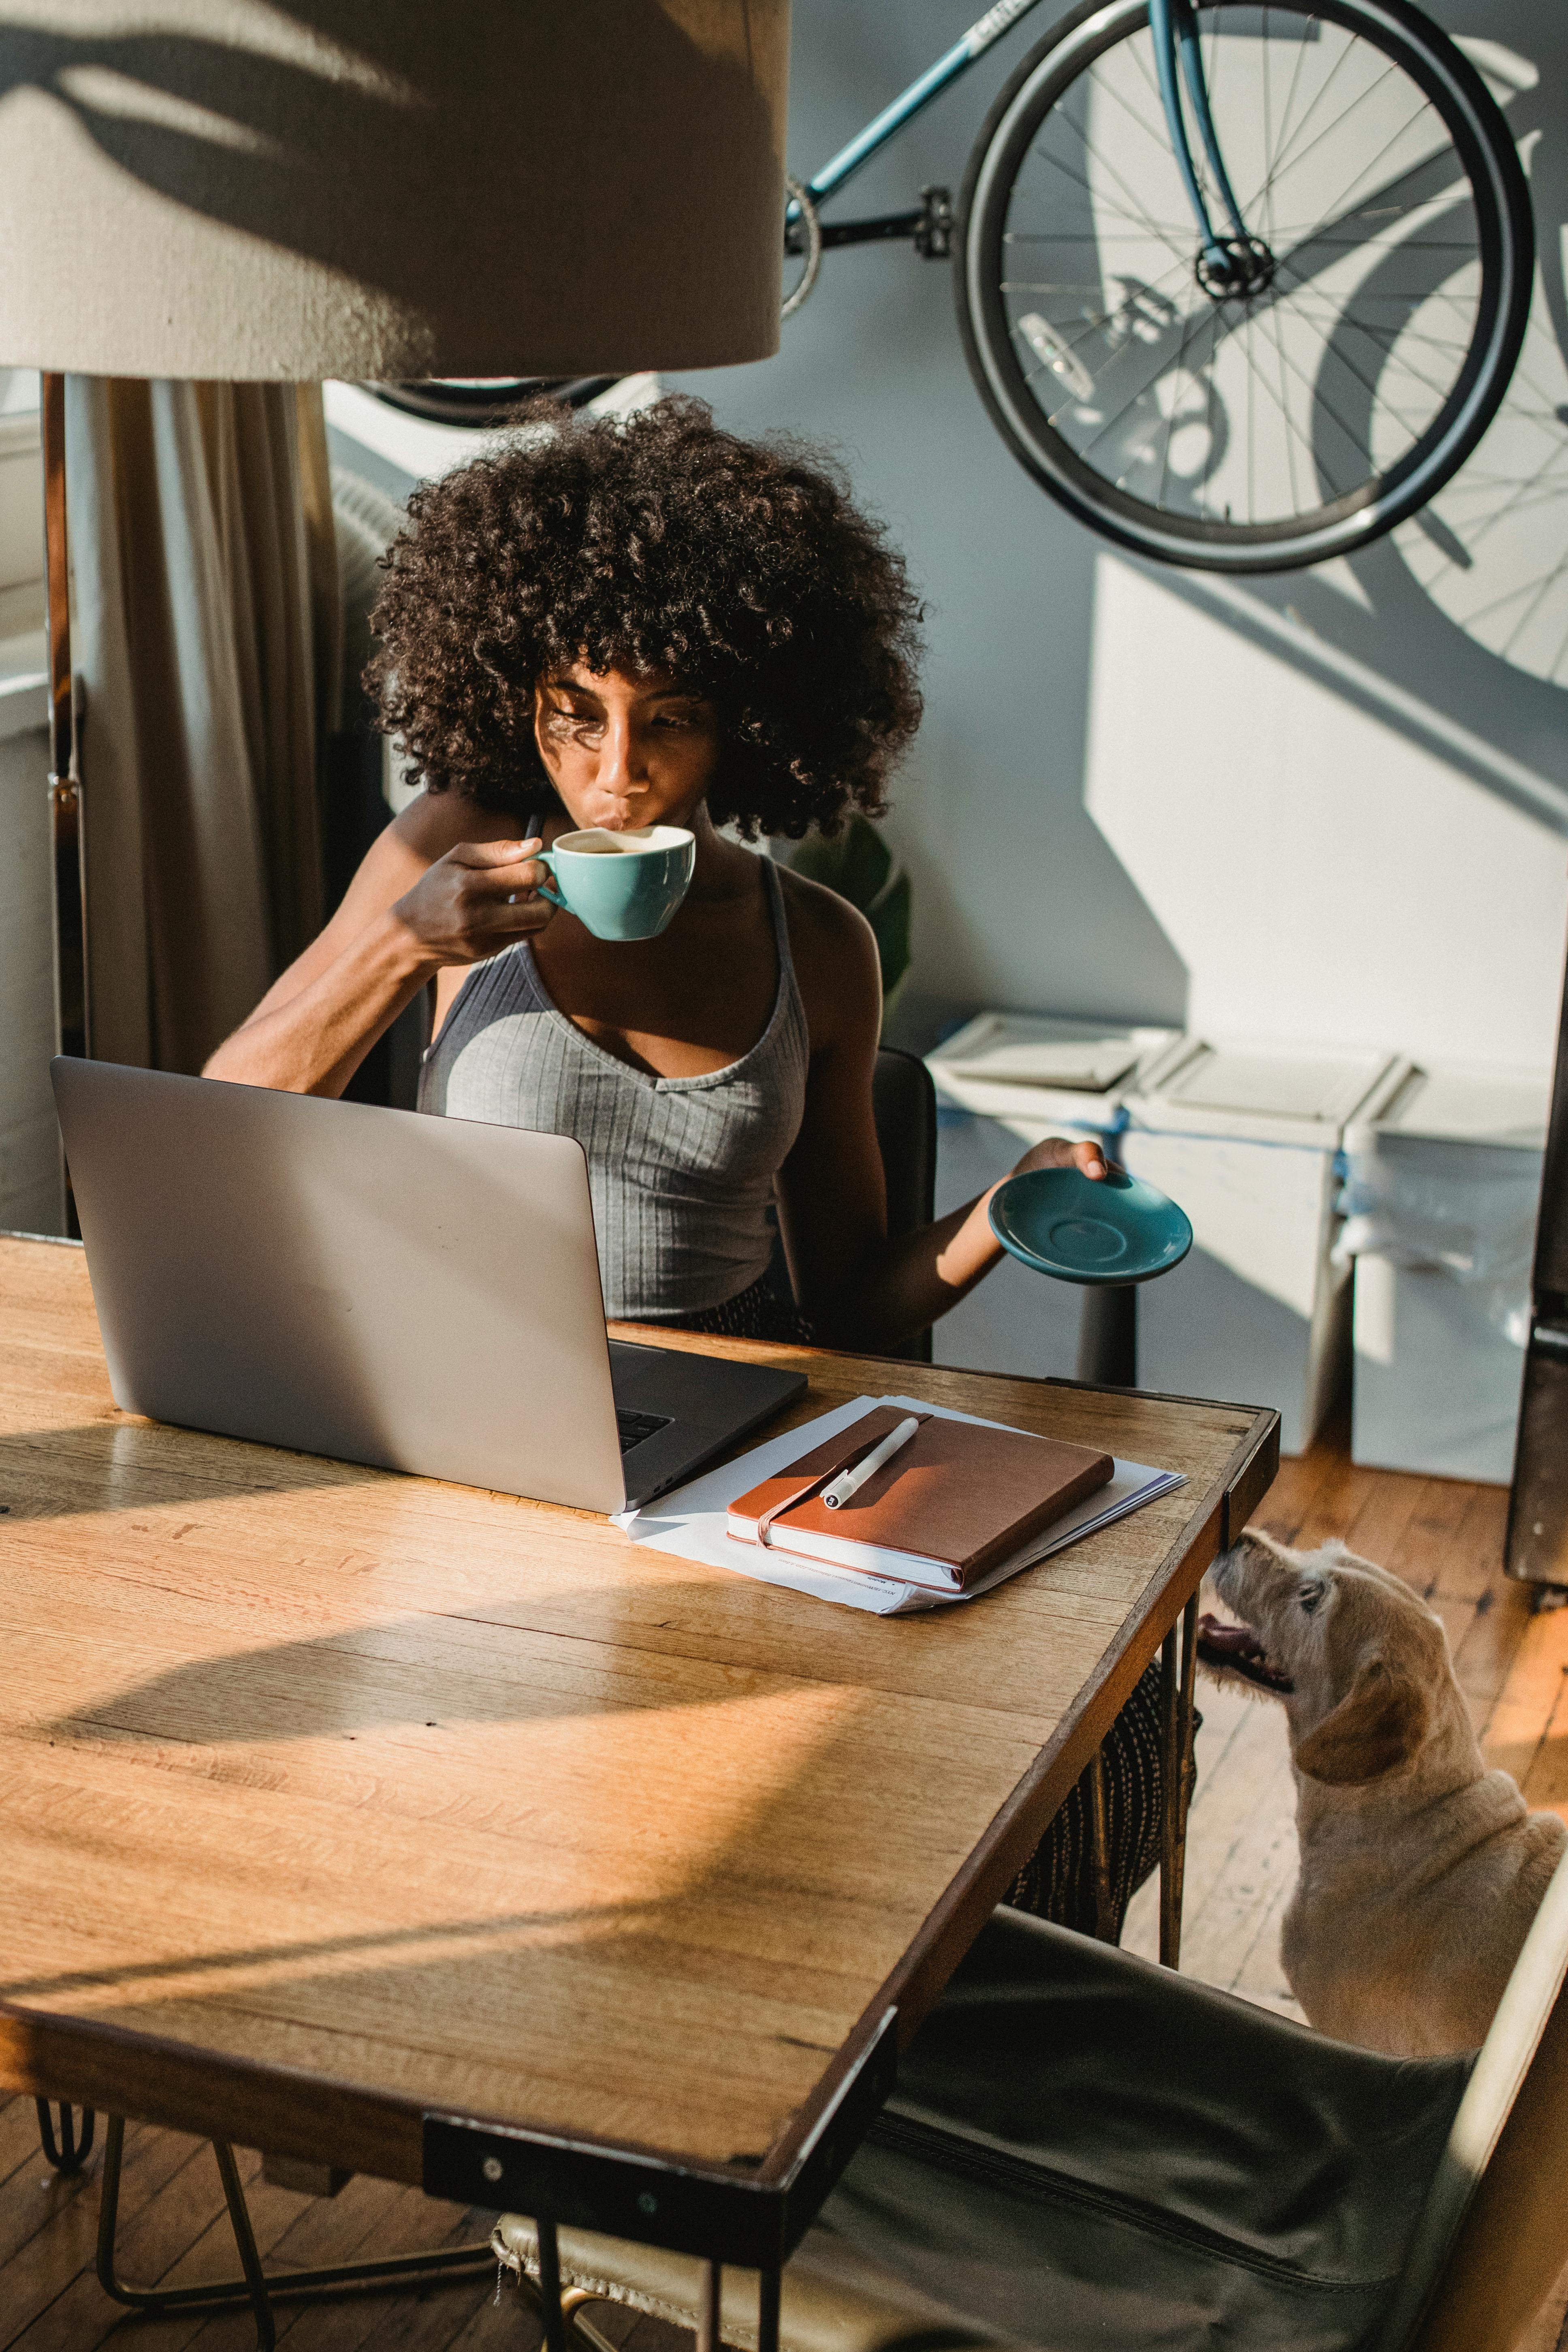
x,y
479,898
1056,1151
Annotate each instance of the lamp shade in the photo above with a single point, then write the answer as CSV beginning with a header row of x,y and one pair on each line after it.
x,y
295,189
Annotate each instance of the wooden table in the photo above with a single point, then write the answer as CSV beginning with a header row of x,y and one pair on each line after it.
x,y
441,1836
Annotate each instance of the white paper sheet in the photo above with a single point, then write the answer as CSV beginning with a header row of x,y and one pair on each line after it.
x,y
690,1521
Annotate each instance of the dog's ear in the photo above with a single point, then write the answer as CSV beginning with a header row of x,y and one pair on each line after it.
x,y
1378,1725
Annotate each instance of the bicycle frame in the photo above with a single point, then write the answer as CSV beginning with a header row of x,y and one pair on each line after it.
x,y
1172,24
967,50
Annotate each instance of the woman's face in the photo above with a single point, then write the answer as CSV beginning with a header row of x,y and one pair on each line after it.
x,y
624,749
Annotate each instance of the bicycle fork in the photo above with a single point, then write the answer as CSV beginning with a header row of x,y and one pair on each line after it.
x,y
1239,263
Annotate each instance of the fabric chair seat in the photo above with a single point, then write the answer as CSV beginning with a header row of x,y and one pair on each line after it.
x,y
1085,2150
1090,2154
834,2299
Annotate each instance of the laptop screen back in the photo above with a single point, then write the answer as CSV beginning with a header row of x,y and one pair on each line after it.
x,y
418,1292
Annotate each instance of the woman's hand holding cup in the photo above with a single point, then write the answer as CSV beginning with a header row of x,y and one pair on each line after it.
x,y
480,897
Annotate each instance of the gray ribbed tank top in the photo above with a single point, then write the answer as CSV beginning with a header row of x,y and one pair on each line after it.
x,y
680,1169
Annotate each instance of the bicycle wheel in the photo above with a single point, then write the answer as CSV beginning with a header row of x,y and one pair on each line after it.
x,y
1302,413
483,402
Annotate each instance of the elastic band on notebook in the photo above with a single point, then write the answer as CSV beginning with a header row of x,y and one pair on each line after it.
x,y
856,1453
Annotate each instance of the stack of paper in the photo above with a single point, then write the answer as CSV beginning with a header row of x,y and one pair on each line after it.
x,y
690,1522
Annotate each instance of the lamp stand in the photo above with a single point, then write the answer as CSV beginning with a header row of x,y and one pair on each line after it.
x,y
71,1033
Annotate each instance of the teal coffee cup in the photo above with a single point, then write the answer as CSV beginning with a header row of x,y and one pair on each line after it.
x,y
621,886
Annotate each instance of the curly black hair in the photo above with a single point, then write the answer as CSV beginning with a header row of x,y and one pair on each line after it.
x,y
656,543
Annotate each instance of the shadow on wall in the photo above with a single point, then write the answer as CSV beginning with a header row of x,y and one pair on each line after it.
x,y
1454,629
345,117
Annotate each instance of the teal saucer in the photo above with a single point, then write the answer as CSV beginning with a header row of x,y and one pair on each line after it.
x,y
1116,1229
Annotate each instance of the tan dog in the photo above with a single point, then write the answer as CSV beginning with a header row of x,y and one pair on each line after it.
x,y
1421,1871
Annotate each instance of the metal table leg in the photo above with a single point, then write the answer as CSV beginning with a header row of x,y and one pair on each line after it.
x,y
1100,1850
65,2151
1178,1667
707,2315
770,2286
254,2288
550,2285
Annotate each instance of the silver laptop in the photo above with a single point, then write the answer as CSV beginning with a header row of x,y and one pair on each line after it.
x,y
378,1286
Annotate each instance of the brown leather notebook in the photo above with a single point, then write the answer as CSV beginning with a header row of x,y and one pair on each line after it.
x,y
953,1502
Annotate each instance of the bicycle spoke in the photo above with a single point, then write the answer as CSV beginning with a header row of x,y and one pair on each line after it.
x,y
1079,236
1094,156
1306,233
1165,458
1324,87
1077,178
1290,103
1391,338
1370,383
1110,423
1270,228
1283,402
1319,399
1273,317
1160,137
1309,241
1381,152
1096,326
1107,375
1252,410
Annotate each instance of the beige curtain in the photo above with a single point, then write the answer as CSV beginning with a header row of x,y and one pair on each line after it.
x,y
207,648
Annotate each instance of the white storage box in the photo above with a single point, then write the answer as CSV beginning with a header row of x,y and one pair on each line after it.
x,y
1244,1137
1004,1081
1441,1193
1041,1074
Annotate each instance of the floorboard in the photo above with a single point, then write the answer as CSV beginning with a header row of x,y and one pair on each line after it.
x,y
1445,1536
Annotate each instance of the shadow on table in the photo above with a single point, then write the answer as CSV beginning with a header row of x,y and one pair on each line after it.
x,y
134,1465
436,1673
754,1885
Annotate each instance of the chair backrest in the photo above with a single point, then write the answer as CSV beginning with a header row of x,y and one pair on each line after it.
x,y
1493,2237
903,1105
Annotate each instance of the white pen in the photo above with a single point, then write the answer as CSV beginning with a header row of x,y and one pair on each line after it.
x,y
849,1482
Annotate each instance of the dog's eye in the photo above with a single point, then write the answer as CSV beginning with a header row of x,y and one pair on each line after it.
x,y
1308,1596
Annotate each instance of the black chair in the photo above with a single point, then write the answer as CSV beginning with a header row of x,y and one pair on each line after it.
x,y
1090,2154
903,1104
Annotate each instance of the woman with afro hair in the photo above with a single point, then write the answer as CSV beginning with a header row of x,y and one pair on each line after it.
x,y
619,624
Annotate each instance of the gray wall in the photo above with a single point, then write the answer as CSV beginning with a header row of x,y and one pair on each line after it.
x,y
1329,803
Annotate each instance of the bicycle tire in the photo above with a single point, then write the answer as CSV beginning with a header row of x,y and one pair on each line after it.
x,y
480,404
1356,512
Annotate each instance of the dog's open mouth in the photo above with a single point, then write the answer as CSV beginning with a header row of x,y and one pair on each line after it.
x,y
1236,1649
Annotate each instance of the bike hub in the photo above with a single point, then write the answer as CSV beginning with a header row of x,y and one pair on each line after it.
x,y
1234,268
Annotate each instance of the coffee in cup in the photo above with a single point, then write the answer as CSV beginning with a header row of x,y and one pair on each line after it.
x,y
620,886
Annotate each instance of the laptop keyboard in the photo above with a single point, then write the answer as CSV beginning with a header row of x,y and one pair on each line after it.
x,y
635,1427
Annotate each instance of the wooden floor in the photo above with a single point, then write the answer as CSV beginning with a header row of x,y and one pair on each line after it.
x,y
1446,1537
